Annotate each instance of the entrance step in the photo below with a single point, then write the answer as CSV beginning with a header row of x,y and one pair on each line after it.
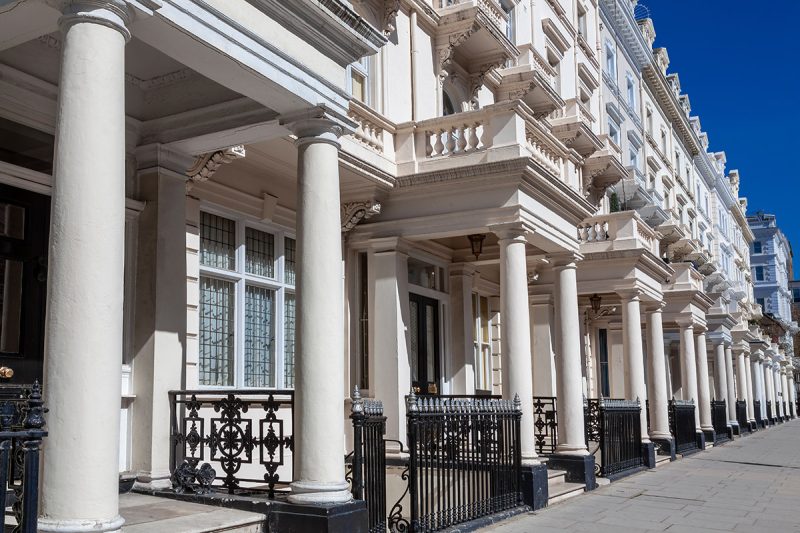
x,y
559,490
149,514
662,460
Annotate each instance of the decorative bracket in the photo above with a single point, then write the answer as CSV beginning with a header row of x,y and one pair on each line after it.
x,y
207,164
355,212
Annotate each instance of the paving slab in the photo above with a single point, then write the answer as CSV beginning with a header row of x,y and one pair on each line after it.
x,y
751,484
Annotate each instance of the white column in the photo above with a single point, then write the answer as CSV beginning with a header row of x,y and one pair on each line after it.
x,y
785,390
762,385
731,385
689,369
741,377
720,378
516,333
571,439
85,281
769,383
703,389
633,355
758,392
657,382
791,390
319,370
749,381
776,377
462,349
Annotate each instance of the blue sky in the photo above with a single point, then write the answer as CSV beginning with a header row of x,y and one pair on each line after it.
x,y
737,62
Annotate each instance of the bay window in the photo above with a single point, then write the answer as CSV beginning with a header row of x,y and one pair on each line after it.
x,y
247,304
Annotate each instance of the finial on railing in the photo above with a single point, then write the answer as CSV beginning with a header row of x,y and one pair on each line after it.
x,y
411,402
517,403
34,418
357,406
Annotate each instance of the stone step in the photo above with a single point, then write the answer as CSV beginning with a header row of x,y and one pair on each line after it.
x,y
560,491
553,474
149,514
662,460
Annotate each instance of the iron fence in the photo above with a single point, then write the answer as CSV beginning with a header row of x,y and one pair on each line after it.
x,y
464,460
368,473
247,434
545,424
682,425
719,420
757,412
769,412
616,426
741,416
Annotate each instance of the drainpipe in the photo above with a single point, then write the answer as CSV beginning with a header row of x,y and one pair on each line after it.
x,y
413,38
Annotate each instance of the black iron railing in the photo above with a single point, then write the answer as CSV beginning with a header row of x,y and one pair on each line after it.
x,y
741,416
464,460
682,425
769,412
757,412
616,426
719,420
21,435
368,474
785,412
545,424
246,434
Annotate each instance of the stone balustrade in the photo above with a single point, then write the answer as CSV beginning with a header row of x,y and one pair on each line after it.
x,y
617,231
491,8
373,131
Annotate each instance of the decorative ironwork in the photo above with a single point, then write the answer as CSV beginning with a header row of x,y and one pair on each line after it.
x,y
682,425
368,478
719,420
741,415
616,426
545,424
757,413
229,430
464,460
21,434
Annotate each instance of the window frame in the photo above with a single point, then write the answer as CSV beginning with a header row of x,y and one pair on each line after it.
x,y
241,280
362,67
479,343
756,270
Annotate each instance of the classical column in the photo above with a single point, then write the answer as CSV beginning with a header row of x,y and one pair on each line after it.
x,y
720,377
83,357
633,354
758,392
776,377
749,380
785,391
703,389
762,385
791,389
571,439
319,370
769,385
731,387
689,368
741,378
657,382
516,334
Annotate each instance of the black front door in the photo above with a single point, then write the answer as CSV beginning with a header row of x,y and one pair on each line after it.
x,y
424,344
24,226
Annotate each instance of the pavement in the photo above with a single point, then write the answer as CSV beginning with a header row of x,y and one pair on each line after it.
x,y
751,484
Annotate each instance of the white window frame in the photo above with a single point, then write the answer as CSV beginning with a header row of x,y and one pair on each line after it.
x,y
478,342
241,280
611,59
362,67
763,273
631,90
614,126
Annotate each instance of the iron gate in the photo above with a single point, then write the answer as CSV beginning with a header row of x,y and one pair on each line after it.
x,y
368,474
741,416
719,419
616,426
682,425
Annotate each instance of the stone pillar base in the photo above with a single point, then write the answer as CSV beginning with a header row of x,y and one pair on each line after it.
x,y
730,433
534,486
710,436
649,454
665,446
579,468
701,440
349,517
753,426
735,428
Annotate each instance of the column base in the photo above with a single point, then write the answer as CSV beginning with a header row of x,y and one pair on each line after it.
x,y
50,525
735,428
349,517
710,435
535,491
319,493
665,446
578,468
753,426
730,433
763,424
649,454
701,440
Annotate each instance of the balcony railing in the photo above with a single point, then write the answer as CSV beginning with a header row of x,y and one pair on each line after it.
x,y
509,129
545,424
490,7
617,231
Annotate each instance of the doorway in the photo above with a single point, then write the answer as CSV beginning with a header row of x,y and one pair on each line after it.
x,y
424,344
24,228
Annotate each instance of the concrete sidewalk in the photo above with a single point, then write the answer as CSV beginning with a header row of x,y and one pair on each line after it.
x,y
752,484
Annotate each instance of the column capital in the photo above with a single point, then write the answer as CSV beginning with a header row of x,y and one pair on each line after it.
x,y
565,260
317,125
630,294
116,14
509,232
656,307
685,323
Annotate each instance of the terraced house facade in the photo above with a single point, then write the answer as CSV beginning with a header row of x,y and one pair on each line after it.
x,y
232,226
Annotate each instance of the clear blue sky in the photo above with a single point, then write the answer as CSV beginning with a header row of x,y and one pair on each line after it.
x,y
737,61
